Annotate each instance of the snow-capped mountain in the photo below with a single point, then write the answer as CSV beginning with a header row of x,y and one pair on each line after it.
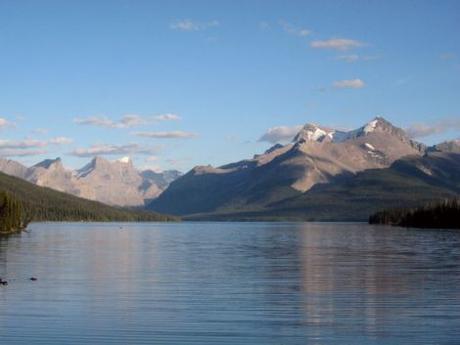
x,y
111,182
316,155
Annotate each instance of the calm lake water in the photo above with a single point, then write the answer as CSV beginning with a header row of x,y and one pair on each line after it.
x,y
230,283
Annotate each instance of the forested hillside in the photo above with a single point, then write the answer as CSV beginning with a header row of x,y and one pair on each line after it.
x,y
444,215
44,204
12,217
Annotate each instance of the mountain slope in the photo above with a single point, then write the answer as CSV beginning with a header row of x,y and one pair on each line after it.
x,y
13,168
409,182
114,183
45,204
317,155
111,182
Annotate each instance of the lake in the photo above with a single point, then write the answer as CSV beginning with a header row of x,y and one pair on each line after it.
x,y
230,283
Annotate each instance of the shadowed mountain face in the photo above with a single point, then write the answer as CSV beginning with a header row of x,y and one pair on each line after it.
x,y
410,181
277,180
111,182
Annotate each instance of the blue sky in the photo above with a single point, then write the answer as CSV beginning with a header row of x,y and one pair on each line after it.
x,y
176,84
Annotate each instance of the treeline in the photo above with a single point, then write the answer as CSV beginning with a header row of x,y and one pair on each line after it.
x,y
12,216
442,214
45,204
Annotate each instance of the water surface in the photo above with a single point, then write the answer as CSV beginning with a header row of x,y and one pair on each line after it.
x,y
230,283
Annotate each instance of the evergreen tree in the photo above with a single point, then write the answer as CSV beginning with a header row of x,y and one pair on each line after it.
x,y
11,214
441,214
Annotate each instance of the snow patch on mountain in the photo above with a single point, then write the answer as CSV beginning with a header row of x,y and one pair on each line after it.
x,y
125,160
369,146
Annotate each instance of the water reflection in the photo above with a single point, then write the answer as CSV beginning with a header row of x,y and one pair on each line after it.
x,y
252,283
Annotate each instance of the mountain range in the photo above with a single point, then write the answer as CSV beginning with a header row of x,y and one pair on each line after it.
x,y
116,183
323,174
45,204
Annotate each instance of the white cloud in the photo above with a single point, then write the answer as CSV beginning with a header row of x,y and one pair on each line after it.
x,y
61,141
190,25
29,147
33,143
151,159
40,131
280,133
18,152
167,117
100,121
291,29
349,84
131,120
167,135
5,123
110,149
22,144
336,43
127,121
420,130
355,57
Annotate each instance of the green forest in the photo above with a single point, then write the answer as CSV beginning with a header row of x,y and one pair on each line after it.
x,y
442,214
12,216
44,204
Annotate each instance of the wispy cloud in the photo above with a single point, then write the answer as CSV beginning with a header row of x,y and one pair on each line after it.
x,y
5,123
191,25
21,152
41,131
167,135
448,56
280,133
167,117
421,130
349,84
33,143
336,43
293,30
351,58
22,144
61,141
263,25
110,149
99,121
29,147
127,121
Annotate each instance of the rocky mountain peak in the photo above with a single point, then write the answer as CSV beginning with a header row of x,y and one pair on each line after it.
x,y
452,146
313,132
49,163
380,124
98,161
271,149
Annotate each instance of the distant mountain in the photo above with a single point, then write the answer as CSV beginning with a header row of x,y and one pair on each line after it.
x,y
447,146
409,182
13,168
45,204
111,182
155,183
51,173
299,180
316,155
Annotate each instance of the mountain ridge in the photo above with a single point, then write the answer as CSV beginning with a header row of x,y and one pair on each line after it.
x,y
316,156
116,183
